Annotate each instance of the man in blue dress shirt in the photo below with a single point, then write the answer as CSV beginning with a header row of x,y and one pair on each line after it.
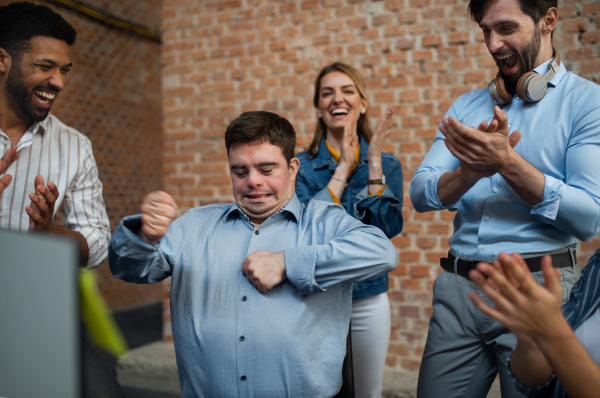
x,y
525,180
261,289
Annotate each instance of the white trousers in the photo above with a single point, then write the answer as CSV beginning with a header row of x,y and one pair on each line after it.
x,y
371,324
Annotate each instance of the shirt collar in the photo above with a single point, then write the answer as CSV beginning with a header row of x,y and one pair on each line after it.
x,y
293,207
542,69
31,131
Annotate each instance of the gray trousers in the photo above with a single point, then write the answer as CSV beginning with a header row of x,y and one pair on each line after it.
x,y
466,349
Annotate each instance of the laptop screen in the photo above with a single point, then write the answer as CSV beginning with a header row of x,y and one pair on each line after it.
x,y
39,317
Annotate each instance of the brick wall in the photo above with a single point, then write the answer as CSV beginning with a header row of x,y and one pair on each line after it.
x,y
221,58
113,96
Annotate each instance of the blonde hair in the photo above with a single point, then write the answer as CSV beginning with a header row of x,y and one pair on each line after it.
x,y
363,126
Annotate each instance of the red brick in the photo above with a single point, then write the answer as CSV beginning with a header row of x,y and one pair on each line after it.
x,y
431,41
574,25
383,19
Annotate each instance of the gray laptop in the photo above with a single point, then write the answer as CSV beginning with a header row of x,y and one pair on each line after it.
x,y
39,317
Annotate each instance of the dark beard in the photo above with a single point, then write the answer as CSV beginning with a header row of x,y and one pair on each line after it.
x,y
19,97
527,61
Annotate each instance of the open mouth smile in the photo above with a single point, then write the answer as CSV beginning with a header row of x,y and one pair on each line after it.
x,y
44,98
508,62
339,113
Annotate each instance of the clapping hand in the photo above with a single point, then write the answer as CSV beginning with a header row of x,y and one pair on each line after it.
x,y
349,144
482,151
41,208
9,157
379,137
521,304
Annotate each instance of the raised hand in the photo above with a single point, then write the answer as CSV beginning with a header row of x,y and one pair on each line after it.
x,y
521,304
159,210
9,157
349,144
264,270
41,208
379,137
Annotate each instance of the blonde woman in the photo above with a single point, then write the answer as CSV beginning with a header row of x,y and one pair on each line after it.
x,y
345,164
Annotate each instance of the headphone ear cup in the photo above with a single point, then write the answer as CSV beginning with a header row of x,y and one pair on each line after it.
x,y
523,86
502,91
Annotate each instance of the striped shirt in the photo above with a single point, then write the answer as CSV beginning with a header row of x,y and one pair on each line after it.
x,y
62,155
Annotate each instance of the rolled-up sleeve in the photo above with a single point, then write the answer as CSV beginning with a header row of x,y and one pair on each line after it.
x,y
134,260
437,161
345,251
84,209
540,391
573,205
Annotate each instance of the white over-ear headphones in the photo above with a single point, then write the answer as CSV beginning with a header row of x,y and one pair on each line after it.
x,y
531,87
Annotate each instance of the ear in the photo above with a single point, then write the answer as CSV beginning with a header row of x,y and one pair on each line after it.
x,y
294,167
364,105
5,61
549,21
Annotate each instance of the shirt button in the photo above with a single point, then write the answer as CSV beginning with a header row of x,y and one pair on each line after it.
x,y
495,190
242,338
482,247
244,298
256,232
243,377
357,212
487,218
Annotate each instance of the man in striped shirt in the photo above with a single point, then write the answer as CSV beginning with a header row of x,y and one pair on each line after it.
x,y
55,165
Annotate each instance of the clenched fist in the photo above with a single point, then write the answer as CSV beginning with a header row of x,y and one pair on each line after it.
x,y
264,270
159,210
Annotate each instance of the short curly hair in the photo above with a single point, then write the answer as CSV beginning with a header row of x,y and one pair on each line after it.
x,y
21,21
258,127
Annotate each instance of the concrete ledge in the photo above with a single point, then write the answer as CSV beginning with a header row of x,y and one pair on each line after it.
x,y
150,367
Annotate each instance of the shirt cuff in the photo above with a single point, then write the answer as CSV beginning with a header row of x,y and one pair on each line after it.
x,y
553,190
431,193
529,391
127,239
333,197
300,263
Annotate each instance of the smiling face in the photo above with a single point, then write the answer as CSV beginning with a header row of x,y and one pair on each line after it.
x,y
35,80
339,99
262,180
513,39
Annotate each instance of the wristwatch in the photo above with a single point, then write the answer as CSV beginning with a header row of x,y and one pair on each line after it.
x,y
380,181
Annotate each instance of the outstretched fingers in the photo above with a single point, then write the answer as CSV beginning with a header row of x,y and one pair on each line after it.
x,y
551,277
386,119
518,272
505,292
487,309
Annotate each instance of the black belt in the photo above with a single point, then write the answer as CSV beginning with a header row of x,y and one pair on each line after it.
x,y
559,260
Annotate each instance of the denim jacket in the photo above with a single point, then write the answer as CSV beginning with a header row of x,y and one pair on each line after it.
x,y
384,212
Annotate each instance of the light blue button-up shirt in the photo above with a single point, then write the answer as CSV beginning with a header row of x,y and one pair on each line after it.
x,y
561,138
230,339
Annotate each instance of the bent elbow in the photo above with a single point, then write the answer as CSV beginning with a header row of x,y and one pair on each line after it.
x,y
585,235
391,257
